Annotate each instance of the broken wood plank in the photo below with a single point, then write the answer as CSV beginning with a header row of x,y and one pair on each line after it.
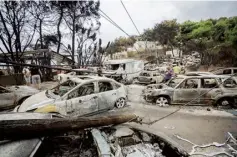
x,y
28,128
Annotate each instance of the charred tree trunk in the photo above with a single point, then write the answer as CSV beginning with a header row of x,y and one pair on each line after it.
x,y
58,29
73,37
19,129
40,33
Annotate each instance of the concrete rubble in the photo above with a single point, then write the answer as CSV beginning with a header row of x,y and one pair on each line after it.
x,y
126,142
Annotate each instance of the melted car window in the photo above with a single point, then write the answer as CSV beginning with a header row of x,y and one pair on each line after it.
x,y
189,84
230,83
227,71
155,74
174,82
209,83
144,74
84,90
64,87
105,86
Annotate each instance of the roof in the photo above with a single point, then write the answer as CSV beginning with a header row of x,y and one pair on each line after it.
x,y
120,61
57,57
223,69
193,73
86,78
208,76
149,71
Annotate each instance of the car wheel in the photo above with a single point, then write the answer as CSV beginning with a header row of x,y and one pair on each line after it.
x,y
162,101
226,102
120,103
135,81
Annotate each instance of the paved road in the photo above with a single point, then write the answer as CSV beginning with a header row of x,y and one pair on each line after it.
x,y
200,127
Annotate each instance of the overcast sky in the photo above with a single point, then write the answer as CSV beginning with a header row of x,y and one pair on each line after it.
x,y
146,13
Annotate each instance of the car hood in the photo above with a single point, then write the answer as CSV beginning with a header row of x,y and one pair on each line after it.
x,y
35,101
165,89
23,90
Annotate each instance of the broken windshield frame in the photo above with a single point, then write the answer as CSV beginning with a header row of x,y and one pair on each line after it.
x,y
174,82
61,89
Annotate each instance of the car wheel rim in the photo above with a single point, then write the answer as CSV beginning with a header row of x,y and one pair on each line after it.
x,y
162,101
225,103
120,103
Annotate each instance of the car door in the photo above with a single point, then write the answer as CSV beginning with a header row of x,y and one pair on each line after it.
x,y
7,97
187,91
209,90
82,100
107,94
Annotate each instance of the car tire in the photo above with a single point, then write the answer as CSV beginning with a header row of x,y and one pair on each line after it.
x,y
162,101
226,102
120,103
135,81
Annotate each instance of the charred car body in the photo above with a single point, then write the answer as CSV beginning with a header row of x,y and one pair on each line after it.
x,y
14,95
148,77
225,71
200,90
78,96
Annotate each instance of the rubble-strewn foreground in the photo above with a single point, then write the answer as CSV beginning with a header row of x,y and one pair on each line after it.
x,y
106,142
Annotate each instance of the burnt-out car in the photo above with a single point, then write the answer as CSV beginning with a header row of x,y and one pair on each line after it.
x,y
148,77
78,96
171,83
197,90
14,95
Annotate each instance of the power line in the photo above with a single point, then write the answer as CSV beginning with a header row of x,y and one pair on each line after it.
x,y
132,21
130,17
112,22
105,16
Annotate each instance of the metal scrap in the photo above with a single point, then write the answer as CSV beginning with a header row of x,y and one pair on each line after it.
x,y
103,147
194,151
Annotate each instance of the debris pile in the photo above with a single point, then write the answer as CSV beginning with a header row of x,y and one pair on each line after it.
x,y
125,142
142,150
226,149
105,142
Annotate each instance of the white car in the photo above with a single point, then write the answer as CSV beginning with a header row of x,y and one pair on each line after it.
x,y
198,73
78,96
14,95
226,71
149,77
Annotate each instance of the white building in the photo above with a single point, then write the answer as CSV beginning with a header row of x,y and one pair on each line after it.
x,y
143,45
176,53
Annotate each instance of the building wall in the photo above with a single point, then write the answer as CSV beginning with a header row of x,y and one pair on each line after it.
x,y
16,79
175,52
